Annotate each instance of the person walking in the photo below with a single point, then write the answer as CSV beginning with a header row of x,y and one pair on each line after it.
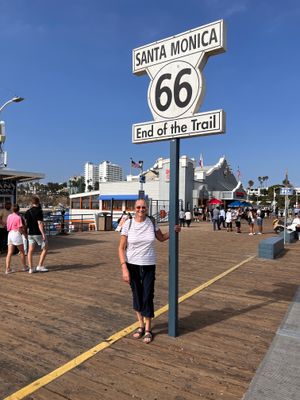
x,y
15,229
251,220
229,220
36,235
121,221
137,260
238,220
222,218
259,220
188,217
216,218
182,218
196,214
4,213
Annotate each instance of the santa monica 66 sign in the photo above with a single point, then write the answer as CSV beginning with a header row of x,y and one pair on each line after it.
x,y
177,86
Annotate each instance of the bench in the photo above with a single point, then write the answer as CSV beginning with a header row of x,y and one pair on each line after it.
x,y
270,248
290,236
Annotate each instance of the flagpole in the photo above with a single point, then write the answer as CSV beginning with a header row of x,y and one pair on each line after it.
x,y
141,164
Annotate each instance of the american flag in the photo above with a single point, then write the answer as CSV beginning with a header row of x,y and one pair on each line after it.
x,y
136,164
238,173
201,161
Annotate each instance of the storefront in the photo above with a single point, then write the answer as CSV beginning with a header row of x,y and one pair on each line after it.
x,y
8,183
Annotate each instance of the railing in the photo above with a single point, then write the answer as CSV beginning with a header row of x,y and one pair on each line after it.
x,y
161,219
61,224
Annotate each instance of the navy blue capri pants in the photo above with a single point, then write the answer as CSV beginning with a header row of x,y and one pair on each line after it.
x,y
142,278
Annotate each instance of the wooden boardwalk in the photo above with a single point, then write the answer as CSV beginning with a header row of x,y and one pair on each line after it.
x,y
49,319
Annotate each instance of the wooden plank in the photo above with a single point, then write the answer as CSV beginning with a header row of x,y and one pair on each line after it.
x,y
47,319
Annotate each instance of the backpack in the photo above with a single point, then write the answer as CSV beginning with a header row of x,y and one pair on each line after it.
x,y
262,214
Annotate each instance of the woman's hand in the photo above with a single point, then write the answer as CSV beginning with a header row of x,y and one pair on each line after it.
x,y
125,274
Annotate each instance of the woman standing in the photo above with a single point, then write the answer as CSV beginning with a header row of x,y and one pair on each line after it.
x,y
137,259
229,220
251,220
188,217
15,229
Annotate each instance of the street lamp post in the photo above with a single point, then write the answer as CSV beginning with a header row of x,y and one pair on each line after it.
x,y
3,154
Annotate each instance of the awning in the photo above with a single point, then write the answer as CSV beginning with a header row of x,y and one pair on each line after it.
x,y
20,176
119,197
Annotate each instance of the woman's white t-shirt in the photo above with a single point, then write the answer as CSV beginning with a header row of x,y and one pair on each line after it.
x,y
228,217
140,241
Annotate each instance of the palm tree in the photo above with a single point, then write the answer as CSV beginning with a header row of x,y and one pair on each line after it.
x,y
260,179
266,178
250,184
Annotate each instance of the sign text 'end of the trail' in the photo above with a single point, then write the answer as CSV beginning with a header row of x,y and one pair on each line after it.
x,y
206,123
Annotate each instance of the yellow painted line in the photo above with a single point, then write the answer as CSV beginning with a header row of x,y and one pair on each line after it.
x,y
198,289
45,380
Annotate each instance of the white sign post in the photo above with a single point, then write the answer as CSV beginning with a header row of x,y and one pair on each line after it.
x,y
175,94
286,191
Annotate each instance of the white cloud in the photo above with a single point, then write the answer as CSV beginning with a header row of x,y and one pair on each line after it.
x,y
17,27
237,8
228,8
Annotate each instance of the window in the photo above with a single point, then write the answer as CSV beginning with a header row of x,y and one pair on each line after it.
x,y
106,205
75,203
86,202
95,202
117,204
130,205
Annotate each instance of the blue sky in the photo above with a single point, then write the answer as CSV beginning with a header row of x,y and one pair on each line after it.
x,y
71,60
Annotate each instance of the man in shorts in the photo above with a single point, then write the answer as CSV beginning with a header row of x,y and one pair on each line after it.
x,y
36,235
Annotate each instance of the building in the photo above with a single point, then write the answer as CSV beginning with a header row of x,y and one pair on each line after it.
x,y
258,192
197,185
9,179
91,176
109,172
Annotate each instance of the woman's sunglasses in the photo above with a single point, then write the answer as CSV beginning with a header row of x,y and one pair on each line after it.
x,y
140,207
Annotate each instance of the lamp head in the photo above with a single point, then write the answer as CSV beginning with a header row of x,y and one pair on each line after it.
x,y
17,99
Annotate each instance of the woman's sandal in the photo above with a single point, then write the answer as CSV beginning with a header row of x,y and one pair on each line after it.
x,y
139,333
148,337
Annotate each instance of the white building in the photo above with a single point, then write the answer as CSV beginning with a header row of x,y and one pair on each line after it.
x,y
258,192
197,185
109,172
91,175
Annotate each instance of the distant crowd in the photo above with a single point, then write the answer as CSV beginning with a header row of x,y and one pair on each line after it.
x,y
231,218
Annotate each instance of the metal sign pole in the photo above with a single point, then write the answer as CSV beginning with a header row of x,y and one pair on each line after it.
x,y
173,242
285,216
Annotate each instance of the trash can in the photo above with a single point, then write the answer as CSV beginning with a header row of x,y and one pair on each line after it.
x,y
108,223
104,222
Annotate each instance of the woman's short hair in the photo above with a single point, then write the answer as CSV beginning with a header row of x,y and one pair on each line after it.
x,y
35,200
16,208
